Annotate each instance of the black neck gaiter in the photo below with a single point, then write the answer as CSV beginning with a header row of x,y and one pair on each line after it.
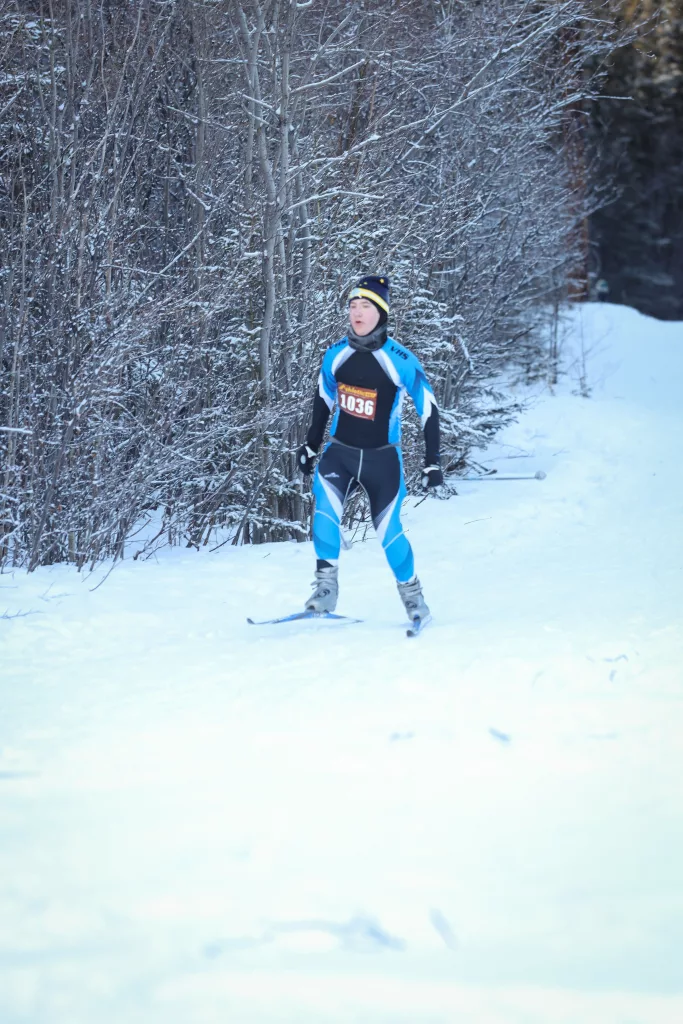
x,y
367,342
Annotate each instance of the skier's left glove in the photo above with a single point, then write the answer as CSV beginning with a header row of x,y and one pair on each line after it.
x,y
432,476
305,458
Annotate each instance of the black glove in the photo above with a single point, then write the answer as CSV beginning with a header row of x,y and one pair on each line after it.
x,y
432,476
305,457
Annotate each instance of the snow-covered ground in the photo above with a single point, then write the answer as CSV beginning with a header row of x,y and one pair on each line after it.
x,y
203,821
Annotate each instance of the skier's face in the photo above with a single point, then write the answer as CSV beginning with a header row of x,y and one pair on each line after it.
x,y
364,316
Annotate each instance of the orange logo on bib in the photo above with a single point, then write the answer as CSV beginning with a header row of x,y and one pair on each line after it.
x,y
360,402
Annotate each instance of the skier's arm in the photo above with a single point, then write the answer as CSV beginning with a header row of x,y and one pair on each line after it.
x,y
323,401
432,435
423,398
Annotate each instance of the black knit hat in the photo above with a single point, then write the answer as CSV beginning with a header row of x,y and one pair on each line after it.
x,y
376,289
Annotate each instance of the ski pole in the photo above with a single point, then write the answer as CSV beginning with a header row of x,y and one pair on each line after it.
x,y
538,475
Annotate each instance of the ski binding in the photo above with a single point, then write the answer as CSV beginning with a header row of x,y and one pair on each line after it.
x,y
417,625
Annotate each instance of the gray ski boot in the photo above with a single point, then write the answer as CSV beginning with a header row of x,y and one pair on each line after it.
x,y
324,597
413,599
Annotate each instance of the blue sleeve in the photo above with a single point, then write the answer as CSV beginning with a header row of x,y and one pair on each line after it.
x,y
418,387
327,382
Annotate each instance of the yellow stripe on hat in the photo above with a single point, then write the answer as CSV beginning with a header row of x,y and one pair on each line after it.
x,y
365,293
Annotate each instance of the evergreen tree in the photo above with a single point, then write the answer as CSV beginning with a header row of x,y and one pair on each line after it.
x,y
639,142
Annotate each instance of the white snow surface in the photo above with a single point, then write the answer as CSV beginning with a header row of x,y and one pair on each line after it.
x,y
204,821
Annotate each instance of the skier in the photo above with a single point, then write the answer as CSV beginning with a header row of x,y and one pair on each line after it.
x,y
364,377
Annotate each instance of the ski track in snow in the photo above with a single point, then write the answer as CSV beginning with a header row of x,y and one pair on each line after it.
x,y
205,821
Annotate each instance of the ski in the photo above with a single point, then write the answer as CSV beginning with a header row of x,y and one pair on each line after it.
x,y
303,615
418,625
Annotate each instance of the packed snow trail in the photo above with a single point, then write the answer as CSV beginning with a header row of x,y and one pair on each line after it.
x,y
203,820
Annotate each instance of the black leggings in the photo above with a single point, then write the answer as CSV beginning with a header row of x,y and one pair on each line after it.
x,y
379,471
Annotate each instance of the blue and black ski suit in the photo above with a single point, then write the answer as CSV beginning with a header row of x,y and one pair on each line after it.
x,y
365,392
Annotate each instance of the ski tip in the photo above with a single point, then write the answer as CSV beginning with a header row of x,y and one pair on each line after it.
x,y
417,626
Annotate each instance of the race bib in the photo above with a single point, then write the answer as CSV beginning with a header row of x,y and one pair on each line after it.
x,y
360,402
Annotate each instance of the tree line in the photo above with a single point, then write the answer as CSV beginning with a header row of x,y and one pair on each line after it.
x,y
637,134
189,188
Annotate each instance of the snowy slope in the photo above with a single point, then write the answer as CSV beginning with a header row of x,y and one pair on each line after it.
x,y
203,821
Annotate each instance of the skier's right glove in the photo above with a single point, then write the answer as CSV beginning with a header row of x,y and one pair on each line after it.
x,y
432,476
305,457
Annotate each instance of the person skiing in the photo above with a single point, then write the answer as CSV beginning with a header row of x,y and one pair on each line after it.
x,y
364,378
